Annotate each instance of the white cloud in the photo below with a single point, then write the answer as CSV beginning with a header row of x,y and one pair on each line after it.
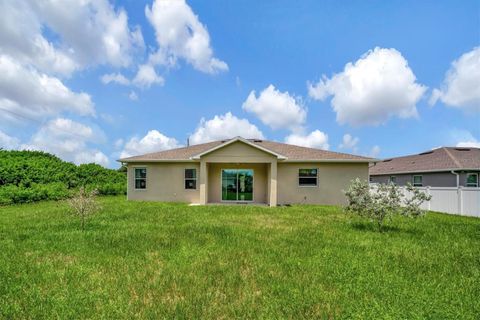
x,y
21,37
7,142
90,32
279,110
224,127
153,141
133,96
374,152
115,78
316,139
461,86
26,92
69,140
463,138
369,91
471,144
349,142
180,34
146,76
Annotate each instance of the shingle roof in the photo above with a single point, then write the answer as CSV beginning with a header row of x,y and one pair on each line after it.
x,y
440,159
291,152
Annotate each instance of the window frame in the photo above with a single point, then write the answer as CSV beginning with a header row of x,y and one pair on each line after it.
x,y
394,181
466,180
309,185
135,178
185,179
413,180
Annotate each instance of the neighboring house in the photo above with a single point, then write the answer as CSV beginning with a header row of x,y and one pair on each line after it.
x,y
441,167
244,171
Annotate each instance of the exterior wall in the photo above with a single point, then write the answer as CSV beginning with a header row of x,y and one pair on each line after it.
x,y
165,182
239,152
433,179
260,183
333,178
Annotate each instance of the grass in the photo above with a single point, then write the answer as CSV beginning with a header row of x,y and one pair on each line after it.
x,y
153,260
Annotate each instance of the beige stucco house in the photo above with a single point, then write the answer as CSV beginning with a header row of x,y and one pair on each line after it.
x,y
242,170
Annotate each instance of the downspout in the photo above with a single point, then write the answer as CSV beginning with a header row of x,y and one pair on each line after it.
x,y
458,177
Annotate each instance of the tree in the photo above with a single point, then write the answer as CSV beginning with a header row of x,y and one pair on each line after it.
x,y
84,204
382,202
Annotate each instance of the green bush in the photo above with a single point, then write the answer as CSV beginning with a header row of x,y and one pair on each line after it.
x,y
28,176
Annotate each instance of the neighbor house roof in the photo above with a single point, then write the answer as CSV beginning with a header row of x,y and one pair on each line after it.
x,y
440,159
283,151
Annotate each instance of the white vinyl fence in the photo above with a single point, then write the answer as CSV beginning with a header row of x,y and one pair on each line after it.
x,y
462,201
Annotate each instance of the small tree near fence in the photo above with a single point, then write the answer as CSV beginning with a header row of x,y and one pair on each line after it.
x,y
382,202
84,204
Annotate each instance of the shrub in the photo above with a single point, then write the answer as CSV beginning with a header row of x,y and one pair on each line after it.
x,y
27,176
382,202
83,204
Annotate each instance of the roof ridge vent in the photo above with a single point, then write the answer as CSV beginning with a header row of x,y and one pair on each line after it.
x,y
462,149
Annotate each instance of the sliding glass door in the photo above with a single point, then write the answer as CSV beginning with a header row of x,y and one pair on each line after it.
x,y
237,185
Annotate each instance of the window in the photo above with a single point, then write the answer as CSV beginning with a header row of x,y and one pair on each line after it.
x,y
393,179
472,180
140,178
417,181
190,178
307,177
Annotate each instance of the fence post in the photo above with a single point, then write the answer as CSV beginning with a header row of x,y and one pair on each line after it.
x,y
429,206
460,200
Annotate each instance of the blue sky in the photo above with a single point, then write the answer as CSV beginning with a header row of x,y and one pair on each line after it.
x,y
275,69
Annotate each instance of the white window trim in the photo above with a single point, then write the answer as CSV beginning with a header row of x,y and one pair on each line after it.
x,y
466,179
307,186
135,178
185,179
413,180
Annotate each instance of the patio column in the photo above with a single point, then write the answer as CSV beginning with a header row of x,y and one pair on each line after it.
x,y
203,182
273,184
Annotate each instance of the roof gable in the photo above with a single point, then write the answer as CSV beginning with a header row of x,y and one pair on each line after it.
x,y
241,140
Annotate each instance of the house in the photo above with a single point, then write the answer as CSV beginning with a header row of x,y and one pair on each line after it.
x,y
441,167
242,170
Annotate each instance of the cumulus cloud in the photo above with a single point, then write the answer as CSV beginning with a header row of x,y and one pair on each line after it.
x,y
115,78
90,32
69,140
180,35
471,144
26,92
315,139
461,86
349,142
371,90
153,141
7,142
278,110
21,37
224,127
146,76
463,138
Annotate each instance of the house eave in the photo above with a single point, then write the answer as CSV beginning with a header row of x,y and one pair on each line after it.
x,y
424,171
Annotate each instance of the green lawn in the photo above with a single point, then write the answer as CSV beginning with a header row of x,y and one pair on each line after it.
x,y
151,260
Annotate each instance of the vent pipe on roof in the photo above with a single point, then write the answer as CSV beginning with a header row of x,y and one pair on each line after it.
x,y
188,142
